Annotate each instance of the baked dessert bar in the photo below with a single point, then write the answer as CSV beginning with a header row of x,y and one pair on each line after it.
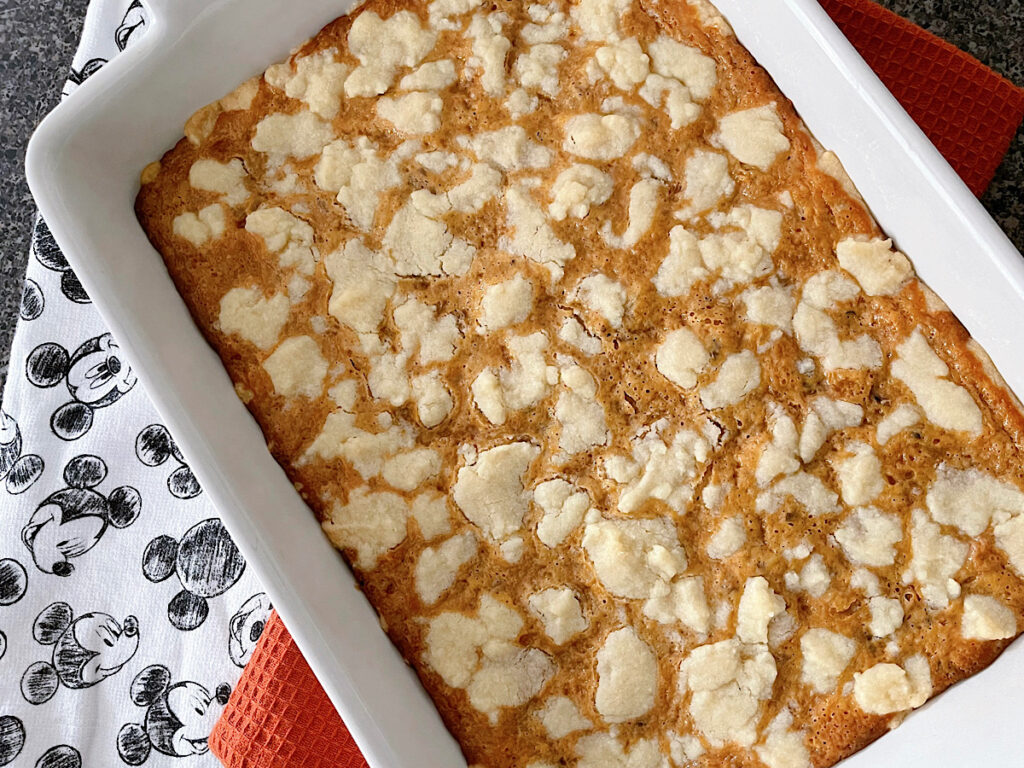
x,y
646,444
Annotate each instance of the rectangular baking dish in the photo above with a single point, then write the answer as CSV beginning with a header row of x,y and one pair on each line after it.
x,y
83,167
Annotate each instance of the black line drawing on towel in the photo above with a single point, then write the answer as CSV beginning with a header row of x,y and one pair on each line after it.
x,y
96,375
86,650
154,446
19,472
61,756
49,254
12,738
132,25
246,626
78,76
178,717
71,521
13,581
207,564
32,301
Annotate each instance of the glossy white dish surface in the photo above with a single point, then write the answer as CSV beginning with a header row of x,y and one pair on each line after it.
x,y
83,168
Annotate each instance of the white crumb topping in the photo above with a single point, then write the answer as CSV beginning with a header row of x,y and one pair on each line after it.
x,y
509,149
886,615
753,136
371,523
643,204
563,507
579,413
707,180
418,112
758,606
559,611
560,716
868,537
362,283
525,383
769,305
507,303
358,176
673,97
886,688
490,491
432,76
481,656
969,499
382,47
783,747
603,296
875,264
807,490
490,47
441,11
430,511
408,470
437,161
437,566
605,750
572,332
433,400
432,339
738,376
532,235
681,602
520,103
728,539
258,319
985,618
317,79
682,266
599,19
577,189
297,368
859,473
825,417
225,179
624,62
778,457
944,403
299,135
817,333
729,680
537,69
200,227
681,357
697,72
288,236
600,137
935,561
903,416
825,655
631,557
658,469
627,677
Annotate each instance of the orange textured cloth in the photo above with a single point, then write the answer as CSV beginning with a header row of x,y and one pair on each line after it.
x,y
279,716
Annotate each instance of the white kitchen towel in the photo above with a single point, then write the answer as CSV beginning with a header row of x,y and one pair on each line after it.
x,y
126,611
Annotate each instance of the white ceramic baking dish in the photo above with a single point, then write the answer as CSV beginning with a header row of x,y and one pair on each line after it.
x,y
83,168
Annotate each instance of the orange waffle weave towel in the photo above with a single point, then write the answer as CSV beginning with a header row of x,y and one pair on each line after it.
x,y
280,716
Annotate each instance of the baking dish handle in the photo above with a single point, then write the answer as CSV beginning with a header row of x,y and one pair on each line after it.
x,y
175,16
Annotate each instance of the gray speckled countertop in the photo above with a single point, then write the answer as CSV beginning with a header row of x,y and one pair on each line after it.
x,y
38,39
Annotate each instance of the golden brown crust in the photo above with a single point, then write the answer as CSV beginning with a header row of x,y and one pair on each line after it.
x,y
634,395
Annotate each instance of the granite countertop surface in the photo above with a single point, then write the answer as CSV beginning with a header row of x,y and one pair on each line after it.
x,y
37,41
